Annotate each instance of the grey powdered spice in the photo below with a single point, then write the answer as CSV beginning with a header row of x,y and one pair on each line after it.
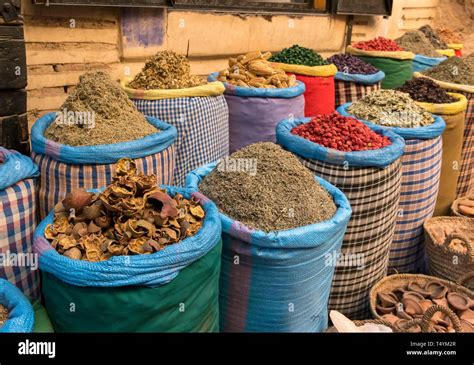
x,y
455,70
280,194
391,108
416,42
115,117
3,315
433,37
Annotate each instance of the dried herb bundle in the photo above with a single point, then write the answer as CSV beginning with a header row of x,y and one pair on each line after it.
x,y
132,216
391,108
166,70
115,117
282,194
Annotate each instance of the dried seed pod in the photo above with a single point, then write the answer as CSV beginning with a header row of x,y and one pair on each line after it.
x,y
73,253
77,199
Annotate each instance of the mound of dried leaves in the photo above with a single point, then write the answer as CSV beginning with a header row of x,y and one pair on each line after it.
x,y
132,216
166,70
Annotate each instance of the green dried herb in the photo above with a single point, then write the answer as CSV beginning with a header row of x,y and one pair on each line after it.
x,y
455,70
166,70
416,42
297,55
391,108
115,117
280,194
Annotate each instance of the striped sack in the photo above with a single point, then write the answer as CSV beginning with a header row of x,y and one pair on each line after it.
x,y
64,168
420,182
347,91
17,225
466,177
203,129
371,181
421,169
277,281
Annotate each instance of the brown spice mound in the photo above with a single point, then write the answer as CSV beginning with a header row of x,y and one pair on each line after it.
x,y
116,119
416,42
166,70
448,35
455,70
3,315
281,194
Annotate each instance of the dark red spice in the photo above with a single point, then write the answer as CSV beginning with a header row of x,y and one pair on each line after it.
x,y
378,44
341,133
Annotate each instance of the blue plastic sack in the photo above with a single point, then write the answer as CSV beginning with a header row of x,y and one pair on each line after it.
x,y
421,63
15,167
359,78
286,93
377,158
428,132
21,317
106,153
278,270
151,270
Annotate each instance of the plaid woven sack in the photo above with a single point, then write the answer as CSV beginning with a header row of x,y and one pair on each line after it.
x,y
352,87
466,177
277,281
421,169
65,168
18,221
371,182
203,129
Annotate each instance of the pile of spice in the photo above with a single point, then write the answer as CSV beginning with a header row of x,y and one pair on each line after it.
x,y
469,59
3,315
434,38
391,108
350,64
412,299
98,112
166,70
378,44
426,90
341,133
415,41
448,35
281,195
254,70
132,216
297,55
455,70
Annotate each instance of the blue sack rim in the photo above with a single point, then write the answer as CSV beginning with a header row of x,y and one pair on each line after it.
x,y
381,157
21,315
15,167
97,274
283,93
105,153
427,132
361,78
282,239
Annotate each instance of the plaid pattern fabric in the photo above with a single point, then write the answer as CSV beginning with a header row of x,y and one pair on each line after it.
x,y
374,196
466,177
58,178
203,129
17,225
421,169
347,92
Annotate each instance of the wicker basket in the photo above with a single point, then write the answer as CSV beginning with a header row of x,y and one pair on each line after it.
x,y
445,262
377,321
393,281
455,210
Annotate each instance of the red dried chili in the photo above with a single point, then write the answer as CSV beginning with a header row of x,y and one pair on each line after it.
x,y
341,133
378,44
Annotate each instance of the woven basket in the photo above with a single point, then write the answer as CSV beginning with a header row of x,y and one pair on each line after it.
x,y
455,210
444,262
377,321
393,281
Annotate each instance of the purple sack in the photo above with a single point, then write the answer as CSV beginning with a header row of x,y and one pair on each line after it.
x,y
253,119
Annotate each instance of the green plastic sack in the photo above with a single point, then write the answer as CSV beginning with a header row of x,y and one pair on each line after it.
x,y
397,71
42,322
189,303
